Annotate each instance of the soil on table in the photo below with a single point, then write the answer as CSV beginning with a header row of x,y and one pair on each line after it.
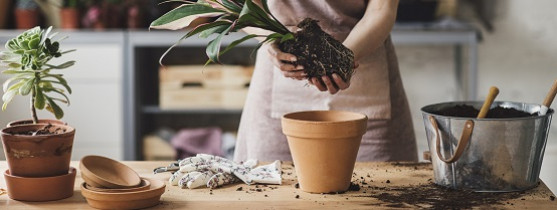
x,y
471,112
319,52
47,130
438,197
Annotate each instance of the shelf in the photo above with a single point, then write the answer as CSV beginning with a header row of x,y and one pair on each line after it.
x,y
157,110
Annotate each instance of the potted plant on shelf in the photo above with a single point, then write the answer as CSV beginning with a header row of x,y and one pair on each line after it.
x,y
70,14
37,148
26,14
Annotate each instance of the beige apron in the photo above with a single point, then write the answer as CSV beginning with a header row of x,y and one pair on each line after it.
x,y
375,90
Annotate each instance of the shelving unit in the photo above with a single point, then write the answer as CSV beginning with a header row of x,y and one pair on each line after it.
x,y
143,113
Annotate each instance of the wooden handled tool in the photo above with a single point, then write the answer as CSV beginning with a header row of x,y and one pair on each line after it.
x,y
493,92
549,98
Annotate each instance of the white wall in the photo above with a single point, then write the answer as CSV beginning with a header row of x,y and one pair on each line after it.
x,y
519,57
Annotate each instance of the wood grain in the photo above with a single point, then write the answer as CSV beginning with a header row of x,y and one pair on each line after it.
x,y
285,195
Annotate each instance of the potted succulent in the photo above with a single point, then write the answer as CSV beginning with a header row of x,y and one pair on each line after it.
x,y
26,14
70,14
233,15
36,149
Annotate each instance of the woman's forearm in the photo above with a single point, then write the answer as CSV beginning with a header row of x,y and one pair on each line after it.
x,y
374,27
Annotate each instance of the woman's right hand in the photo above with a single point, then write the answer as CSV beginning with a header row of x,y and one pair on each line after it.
x,y
283,61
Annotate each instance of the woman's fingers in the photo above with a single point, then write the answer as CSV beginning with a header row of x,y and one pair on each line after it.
x,y
318,84
294,74
340,82
330,85
276,52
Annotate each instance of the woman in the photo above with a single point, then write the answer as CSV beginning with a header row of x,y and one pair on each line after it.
x,y
375,89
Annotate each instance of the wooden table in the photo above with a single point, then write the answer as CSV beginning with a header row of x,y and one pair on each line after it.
x,y
382,185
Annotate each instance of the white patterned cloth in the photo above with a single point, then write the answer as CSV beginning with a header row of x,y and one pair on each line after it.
x,y
213,171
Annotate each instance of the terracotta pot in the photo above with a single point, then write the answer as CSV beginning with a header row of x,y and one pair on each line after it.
x,y
42,188
5,6
145,184
26,19
69,18
38,156
324,146
41,121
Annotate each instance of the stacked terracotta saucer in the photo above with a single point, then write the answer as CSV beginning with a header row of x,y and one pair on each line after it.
x,y
110,184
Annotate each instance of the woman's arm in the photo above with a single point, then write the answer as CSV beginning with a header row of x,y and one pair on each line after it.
x,y
368,34
374,27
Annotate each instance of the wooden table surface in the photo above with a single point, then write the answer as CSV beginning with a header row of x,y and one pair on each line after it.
x,y
382,185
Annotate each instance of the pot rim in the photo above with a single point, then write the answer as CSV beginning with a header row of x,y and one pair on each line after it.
x,y
354,117
5,131
41,121
425,110
154,187
71,172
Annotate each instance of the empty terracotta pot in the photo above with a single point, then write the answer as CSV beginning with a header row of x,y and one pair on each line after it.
x,y
102,172
41,155
41,121
26,19
42,188
324,146
125,200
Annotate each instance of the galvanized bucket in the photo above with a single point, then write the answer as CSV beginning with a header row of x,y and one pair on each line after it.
x,y
487,155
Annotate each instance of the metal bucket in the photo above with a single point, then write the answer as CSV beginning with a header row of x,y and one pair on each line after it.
x,y
487,155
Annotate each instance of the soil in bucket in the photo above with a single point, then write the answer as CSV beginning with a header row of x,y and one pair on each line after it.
x,y
470,111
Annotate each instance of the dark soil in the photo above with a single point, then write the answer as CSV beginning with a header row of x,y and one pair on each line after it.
x,y
471,112
319,52
47,130
437,197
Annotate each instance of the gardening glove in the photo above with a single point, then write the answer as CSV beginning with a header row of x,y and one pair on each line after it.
x,y
213,171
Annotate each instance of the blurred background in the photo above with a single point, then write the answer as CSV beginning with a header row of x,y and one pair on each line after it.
x,y
125,107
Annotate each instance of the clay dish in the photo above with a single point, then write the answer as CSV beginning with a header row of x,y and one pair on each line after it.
x,y
125,200
102,172
145,184
40,188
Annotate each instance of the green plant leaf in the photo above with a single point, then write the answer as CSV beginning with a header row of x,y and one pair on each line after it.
x,y
286,37
230,5
58,91
204,27
39,98
237,42
18,77
8,97
61,66
183,15
215,30
25,89
213,47
61,81
54,108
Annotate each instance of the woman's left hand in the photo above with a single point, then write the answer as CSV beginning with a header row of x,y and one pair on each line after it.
x,y
333,83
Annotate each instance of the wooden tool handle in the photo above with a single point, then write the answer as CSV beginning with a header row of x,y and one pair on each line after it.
x,y
551,95
493,92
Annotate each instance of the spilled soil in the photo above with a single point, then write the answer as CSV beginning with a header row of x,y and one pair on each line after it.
x,y
319,52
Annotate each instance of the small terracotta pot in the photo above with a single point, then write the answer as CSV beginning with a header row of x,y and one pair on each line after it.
x,y
69,18
38,156
26,19
145,184
42,188
41,121
324,146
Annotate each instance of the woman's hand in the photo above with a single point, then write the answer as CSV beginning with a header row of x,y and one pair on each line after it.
x,y
333,83
283,61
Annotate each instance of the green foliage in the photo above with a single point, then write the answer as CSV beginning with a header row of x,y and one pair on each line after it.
x,y
232,15
27,60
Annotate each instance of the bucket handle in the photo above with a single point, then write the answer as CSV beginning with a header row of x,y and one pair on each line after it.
x,y
462,143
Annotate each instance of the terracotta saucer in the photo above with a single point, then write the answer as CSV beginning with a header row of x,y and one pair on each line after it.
x,y
145,184
40,188
125,200
102,172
